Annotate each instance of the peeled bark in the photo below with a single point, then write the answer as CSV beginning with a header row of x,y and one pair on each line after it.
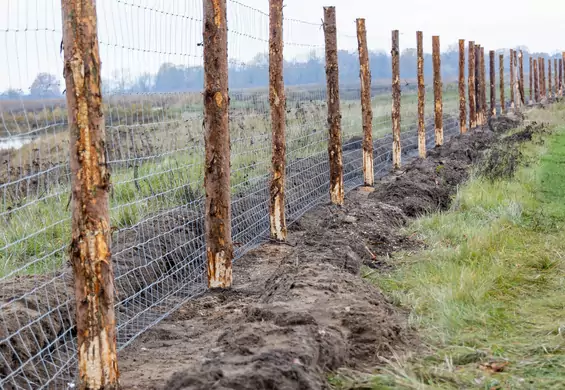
x,y
438,101
334,111
219,247
395,114
277,100
90,255
366,109
472,96
462,101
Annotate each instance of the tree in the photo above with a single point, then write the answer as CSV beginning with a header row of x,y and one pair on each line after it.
x,y
11,93
45,85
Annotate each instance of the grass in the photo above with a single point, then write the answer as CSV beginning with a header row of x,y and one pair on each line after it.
x,y
488,294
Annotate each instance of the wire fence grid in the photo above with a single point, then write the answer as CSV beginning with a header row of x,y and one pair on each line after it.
x,y
152,76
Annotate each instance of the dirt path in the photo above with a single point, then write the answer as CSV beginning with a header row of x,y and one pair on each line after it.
x,y
297,312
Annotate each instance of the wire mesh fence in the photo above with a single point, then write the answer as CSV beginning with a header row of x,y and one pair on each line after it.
x,y
152,77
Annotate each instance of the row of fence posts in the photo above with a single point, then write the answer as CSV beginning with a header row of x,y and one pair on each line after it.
x,y
91,231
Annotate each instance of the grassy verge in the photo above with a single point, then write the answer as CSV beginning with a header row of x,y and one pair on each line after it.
x,y
488,295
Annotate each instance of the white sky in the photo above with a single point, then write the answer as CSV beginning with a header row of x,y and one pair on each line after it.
x,y
139,35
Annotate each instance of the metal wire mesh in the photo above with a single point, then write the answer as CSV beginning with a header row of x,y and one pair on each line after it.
x,y
152,76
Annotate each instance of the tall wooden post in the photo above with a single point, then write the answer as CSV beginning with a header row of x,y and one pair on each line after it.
x,y
536,81
366,109
421,96
438,98
492,72
512,101
483,87
531,78
549,89
501,76
478,91
395,115
90,185
462,100
471,76
556,74
217,217
334,111
521,78
560,77
277,100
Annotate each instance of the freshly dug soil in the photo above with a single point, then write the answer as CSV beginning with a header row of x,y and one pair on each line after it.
x,y
300,310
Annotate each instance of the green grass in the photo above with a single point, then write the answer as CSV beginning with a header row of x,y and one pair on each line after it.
x,y
490,287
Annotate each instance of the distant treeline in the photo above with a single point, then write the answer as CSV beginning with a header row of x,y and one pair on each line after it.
x,y
255,74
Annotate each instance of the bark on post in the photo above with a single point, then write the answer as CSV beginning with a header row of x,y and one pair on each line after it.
x,y
560,77
512,102
549,89
536,81
471,76
421,95
366,109
217,217
555,71
438,98
516,86
478,92
531,78
483,87
541,64
277,100
462,100
501,76
521,79
90,255
492,83
334,111
396,146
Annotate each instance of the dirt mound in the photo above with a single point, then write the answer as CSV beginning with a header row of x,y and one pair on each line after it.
x,y
503,123
427,184
504,157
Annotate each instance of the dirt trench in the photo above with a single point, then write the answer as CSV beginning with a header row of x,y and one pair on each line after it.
x,y
299,311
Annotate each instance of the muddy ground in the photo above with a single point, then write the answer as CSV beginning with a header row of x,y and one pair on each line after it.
x,y
299,311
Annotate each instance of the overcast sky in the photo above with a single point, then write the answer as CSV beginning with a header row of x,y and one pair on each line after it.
x,y
137,36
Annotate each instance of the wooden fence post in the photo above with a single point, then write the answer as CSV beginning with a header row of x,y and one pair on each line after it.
x,y
462,101
492,72
560,77
217,217
531,79
556,73
90,255
521,78
438,98
277,100
471,76
421,95
366,108
478,92
483,87
541,65
501,76
536,81
396,145
550,88
512,98
334,111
